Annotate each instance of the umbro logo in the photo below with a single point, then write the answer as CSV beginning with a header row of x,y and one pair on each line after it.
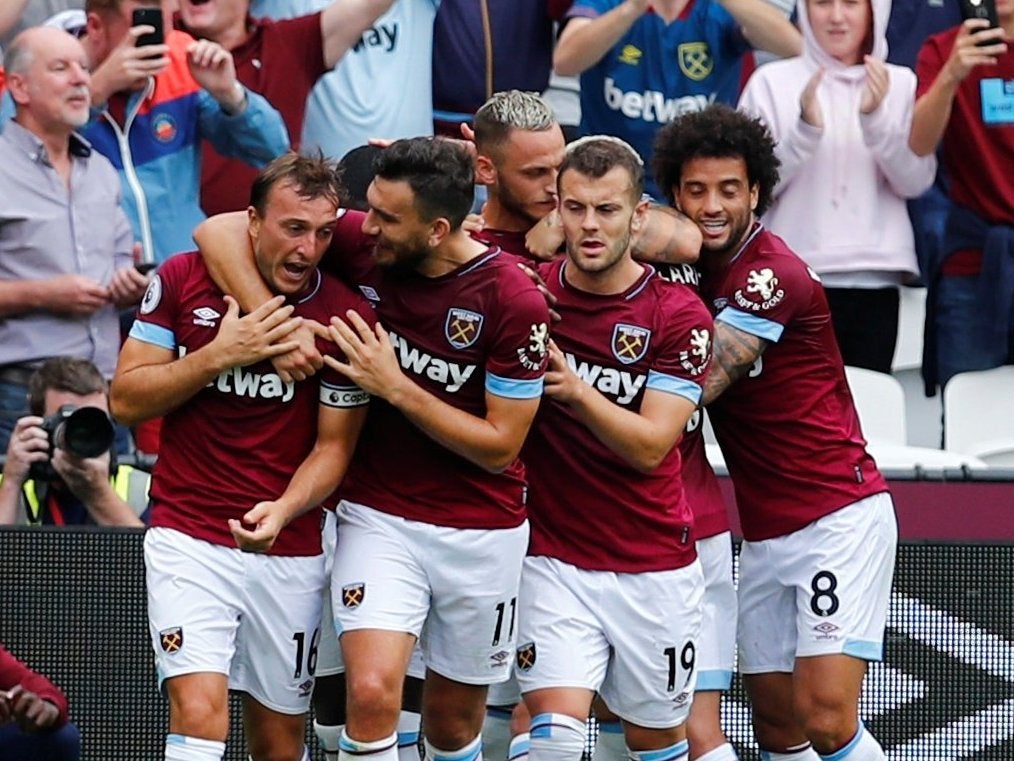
x,y
205,316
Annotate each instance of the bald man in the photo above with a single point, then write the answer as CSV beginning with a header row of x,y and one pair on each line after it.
x,y
66,262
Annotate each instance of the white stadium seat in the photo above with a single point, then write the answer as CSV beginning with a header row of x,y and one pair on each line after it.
x,y
979,415
880,402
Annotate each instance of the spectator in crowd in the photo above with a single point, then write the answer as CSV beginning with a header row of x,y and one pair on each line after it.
x,y
612,448
644,63
840,118
382,87
281,60
158,104
963,106
818,522
257,488
65,245
912,22
18,15
43,482
481,48
475,326
33,716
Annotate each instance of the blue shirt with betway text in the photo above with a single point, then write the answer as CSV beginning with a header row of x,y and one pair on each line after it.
x,y
658,71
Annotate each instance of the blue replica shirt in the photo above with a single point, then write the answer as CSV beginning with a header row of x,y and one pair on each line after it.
x,y
658,71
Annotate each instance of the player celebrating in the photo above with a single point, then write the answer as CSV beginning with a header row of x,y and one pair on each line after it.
x,y
432,526
816,566
610,602
244,456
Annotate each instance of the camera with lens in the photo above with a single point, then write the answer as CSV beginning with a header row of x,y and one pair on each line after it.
x,y
81,431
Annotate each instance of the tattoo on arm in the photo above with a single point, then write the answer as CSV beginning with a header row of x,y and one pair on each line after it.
x,y
658,240
734,352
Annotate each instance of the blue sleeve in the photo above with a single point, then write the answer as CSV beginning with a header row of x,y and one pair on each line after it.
x,y
256,136
753,324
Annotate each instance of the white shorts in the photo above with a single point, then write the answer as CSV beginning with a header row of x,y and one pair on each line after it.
x,y
821,590
329,654
716,651
632,637
253,617
455,589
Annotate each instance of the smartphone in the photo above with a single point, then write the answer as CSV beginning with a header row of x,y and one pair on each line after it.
x,y
149,16
979,9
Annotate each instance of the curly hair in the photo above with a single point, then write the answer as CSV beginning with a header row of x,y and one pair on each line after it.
x,y
717,132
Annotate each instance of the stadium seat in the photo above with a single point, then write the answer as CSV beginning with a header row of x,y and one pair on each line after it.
x,y
880,402
979,415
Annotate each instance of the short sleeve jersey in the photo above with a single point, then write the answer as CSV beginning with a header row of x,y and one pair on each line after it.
x,y
700,484
240,439
976,155
788,429
479,329
589,507
282,61
658,71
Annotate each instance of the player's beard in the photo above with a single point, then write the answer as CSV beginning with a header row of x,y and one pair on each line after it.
x,y
600,264
515,206
401,258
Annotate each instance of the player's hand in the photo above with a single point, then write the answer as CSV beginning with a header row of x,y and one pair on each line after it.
x,y
304,360
86,477
473,223
76,295
28,444
536,278
878,82
215,71
267,518
127,67
809,104
370,360
966,53
5,708
127,287
262,334
31,712
562,383
545,237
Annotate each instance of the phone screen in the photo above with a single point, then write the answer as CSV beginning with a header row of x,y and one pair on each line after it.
x,y
151,16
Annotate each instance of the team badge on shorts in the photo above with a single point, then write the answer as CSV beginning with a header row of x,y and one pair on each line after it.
x,y
526,656
462,327
171,639
630,342
353,594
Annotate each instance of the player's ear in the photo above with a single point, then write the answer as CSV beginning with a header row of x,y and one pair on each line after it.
x,y
440,228
640,215
253,222
754,196
485,170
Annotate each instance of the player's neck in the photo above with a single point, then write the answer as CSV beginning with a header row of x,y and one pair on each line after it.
x,y
669,10
498,217
615,280
458,249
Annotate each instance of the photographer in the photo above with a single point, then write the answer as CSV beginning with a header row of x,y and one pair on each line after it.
x,y
43,480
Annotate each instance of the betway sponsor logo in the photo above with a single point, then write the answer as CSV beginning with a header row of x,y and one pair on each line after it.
x,y
241,382
651,105
452,375
619,383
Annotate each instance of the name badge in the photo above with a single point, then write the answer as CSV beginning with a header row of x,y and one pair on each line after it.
x,y
997,101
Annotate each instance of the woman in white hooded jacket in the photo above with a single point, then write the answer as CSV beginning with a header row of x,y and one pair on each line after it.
x,y
841,118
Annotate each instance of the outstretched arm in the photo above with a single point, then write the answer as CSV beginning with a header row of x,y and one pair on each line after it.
x,y
584,41
343,22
